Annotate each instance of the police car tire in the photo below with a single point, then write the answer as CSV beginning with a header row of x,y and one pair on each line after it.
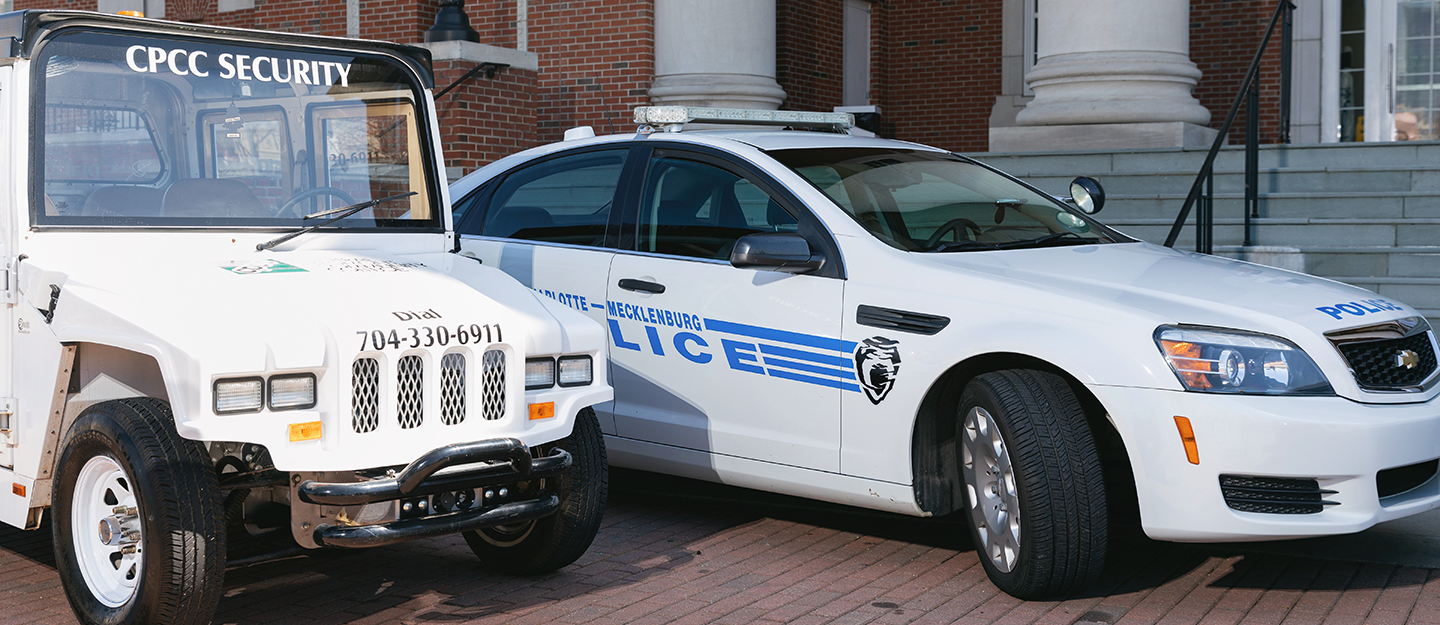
x,y
181,517
1058,478
557,540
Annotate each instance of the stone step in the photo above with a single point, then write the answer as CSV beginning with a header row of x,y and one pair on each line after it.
x,y
1330,205
1408,155
1308,181
1295,232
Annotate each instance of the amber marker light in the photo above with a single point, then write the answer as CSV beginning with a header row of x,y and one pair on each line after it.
x,y
308,431
1187,436
17,488
542,411
130,13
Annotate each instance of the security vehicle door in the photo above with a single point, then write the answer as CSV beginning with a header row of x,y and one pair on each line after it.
x,y
710,357
545,225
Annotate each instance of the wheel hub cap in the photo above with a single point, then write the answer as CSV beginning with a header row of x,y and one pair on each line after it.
x,y
111,558
990,483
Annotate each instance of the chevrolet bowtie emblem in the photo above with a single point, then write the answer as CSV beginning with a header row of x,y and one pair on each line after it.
x,y
1407,359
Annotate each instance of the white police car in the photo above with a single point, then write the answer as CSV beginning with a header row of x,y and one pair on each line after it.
x,y
896,327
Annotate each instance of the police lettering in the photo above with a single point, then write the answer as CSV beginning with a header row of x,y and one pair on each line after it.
x,y
1359,309
182,62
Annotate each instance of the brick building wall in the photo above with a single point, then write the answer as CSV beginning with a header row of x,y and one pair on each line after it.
x,y
597,60
810,53
484,119
942,70
1223,39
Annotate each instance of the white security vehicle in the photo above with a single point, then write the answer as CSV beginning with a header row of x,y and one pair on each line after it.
x,y
232,312
892,326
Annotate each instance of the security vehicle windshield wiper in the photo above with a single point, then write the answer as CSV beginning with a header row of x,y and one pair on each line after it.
x,y
344,211
967,246
1041,240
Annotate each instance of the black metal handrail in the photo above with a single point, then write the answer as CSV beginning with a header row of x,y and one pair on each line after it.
x,y
1203,190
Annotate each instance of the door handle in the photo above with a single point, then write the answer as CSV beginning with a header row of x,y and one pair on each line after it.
x,y
631,284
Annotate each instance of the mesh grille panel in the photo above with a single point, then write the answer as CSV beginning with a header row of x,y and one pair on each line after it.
x,y
365,395
1376,362
492,384
452,389
409,390
1274,495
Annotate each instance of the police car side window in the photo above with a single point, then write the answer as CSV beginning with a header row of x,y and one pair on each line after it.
x,y
562,200
698,210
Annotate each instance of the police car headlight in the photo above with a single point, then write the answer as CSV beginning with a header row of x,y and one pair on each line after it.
x,y
1230,361
239,395
576,371
539,373
292,392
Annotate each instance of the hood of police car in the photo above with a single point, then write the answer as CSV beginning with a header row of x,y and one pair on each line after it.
x,y
1185,288
296,309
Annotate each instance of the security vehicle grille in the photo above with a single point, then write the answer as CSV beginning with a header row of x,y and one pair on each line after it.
x,y
1390,364
452,389
492,384
365,395
409,391
1274,495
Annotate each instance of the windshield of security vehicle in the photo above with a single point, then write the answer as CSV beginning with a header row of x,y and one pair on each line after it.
x,y
936,202
147,131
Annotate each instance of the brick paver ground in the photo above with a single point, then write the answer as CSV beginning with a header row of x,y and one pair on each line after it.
x,y
720,555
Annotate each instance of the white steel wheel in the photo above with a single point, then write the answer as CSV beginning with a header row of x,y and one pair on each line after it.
x,y
111,553
990,482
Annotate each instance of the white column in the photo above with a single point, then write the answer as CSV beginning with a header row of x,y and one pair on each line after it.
x,y
716,53
1121,61
1113,74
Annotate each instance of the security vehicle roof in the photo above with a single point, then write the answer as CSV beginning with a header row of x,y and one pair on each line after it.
x,y
20,30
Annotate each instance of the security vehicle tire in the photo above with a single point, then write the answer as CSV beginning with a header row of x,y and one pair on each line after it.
x,y
551,542
163,562
1035,494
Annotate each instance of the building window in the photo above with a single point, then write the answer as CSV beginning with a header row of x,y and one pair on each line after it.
x,y
857,53
1352,70
1415,85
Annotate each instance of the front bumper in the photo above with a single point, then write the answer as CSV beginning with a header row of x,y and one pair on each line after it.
x,y
1340,444
505,461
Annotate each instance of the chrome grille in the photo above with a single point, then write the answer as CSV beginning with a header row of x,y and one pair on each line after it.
x,y
365,395
409,391
492,384
452,389
1391,364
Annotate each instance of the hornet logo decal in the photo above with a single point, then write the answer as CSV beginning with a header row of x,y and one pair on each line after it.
x,y
877,362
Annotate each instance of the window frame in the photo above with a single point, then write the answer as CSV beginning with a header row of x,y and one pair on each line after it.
x,y
472,221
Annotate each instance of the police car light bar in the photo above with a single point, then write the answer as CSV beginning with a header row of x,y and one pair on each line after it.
x,y
671,118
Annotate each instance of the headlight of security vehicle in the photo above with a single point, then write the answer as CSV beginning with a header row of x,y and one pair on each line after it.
x,y
239,395
576,370
1230,361
539,373
292,392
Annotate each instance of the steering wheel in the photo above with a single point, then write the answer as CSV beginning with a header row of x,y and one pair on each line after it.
x,y
313,192
958,225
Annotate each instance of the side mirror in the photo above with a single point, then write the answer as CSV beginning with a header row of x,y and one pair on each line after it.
x,y
1087,194
775,251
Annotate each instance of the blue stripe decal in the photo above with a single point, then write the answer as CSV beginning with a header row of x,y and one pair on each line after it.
x,y
594,306
809,368
784,336
781,373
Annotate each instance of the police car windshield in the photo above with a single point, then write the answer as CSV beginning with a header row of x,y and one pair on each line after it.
x,y
150,131
935,202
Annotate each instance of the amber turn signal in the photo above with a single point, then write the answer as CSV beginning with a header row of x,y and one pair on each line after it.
x,y
308,431
1187,436
542,411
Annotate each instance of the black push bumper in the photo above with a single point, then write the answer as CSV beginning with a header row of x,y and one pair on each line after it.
x,y
512,463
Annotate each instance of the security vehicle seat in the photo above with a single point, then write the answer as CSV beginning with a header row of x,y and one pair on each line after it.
x,y
123,200
212,197
513,221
